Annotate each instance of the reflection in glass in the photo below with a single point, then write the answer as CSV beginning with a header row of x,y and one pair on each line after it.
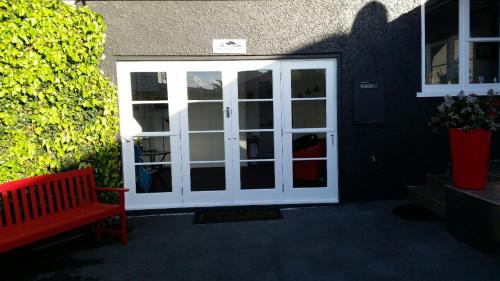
x,y
149,86
308,83
153,178
257,175
206,146
205,116
256,145
441,42
484,18
208,177
256,115
152,117
152,149
309,114
256,84
204,85
309,145
484,62
309,173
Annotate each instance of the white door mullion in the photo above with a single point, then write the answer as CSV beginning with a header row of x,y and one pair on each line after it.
x,y
463,37
232,142
236,135
282,105
175,108
331,122
181,90
278,128
286,87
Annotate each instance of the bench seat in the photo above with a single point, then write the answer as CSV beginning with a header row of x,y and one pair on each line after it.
x,y
39,207
50,225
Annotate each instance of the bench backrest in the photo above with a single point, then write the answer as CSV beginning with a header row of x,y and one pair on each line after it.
x,y
31,198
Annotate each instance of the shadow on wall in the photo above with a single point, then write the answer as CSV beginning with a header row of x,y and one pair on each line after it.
x,y
379,160
376,160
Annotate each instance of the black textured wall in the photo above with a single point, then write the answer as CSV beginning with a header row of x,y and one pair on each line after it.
x,y
375,40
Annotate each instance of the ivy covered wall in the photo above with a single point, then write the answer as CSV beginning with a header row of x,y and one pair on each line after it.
x,y
57,110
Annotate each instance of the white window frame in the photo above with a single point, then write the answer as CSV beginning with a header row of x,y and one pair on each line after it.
x,y
464,39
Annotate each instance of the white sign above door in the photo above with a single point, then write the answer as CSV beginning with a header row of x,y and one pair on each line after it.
x,y
229,46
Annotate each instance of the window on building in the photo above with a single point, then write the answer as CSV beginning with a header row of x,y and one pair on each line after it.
x,y
460,46
441,42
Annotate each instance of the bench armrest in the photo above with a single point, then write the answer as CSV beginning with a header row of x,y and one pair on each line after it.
x,y
113,189
120,191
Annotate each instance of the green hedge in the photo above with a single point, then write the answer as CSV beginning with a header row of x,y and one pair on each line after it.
x,y
57,110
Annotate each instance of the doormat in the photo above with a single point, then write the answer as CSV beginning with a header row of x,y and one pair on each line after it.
x,y
414,213
235,215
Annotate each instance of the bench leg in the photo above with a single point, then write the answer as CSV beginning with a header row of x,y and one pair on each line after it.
x,y
124,228
97,228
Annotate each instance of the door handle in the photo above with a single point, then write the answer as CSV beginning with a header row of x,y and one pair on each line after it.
x,y
228,112
333,139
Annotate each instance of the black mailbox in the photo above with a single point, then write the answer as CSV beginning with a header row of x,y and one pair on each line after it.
x,y
368,101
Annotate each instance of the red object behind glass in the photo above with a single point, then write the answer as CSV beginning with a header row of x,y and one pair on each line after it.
x,y
312,170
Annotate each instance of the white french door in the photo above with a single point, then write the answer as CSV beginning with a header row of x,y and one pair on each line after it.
x,y
256,129
150,131
310,131
206,133
228,132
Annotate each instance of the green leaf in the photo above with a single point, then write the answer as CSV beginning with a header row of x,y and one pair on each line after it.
x,y
57,108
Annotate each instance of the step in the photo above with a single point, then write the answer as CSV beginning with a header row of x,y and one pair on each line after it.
x,y
438,181
430,197
474,215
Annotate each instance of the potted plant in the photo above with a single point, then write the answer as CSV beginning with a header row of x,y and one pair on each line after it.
x,y
469,120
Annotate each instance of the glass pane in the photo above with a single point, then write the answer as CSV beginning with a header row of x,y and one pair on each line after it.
x,y
309,145
257,175
149,86
484,18
152,117
255,145
484,63
308,83
206,146
256,115
204,85
152,149
205,116
153,178
208,177
257,84
309,114
441,42
309,173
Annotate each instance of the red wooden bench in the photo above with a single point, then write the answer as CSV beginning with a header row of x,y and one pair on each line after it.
x,y
39,207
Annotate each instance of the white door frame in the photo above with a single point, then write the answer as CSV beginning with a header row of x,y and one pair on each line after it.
x,y
328,193
204,198
129,128
251,196
181,196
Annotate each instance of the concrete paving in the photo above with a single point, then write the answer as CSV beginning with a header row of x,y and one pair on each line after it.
x,y
359,241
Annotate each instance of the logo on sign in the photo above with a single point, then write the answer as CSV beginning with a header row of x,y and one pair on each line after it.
x,y
229,46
